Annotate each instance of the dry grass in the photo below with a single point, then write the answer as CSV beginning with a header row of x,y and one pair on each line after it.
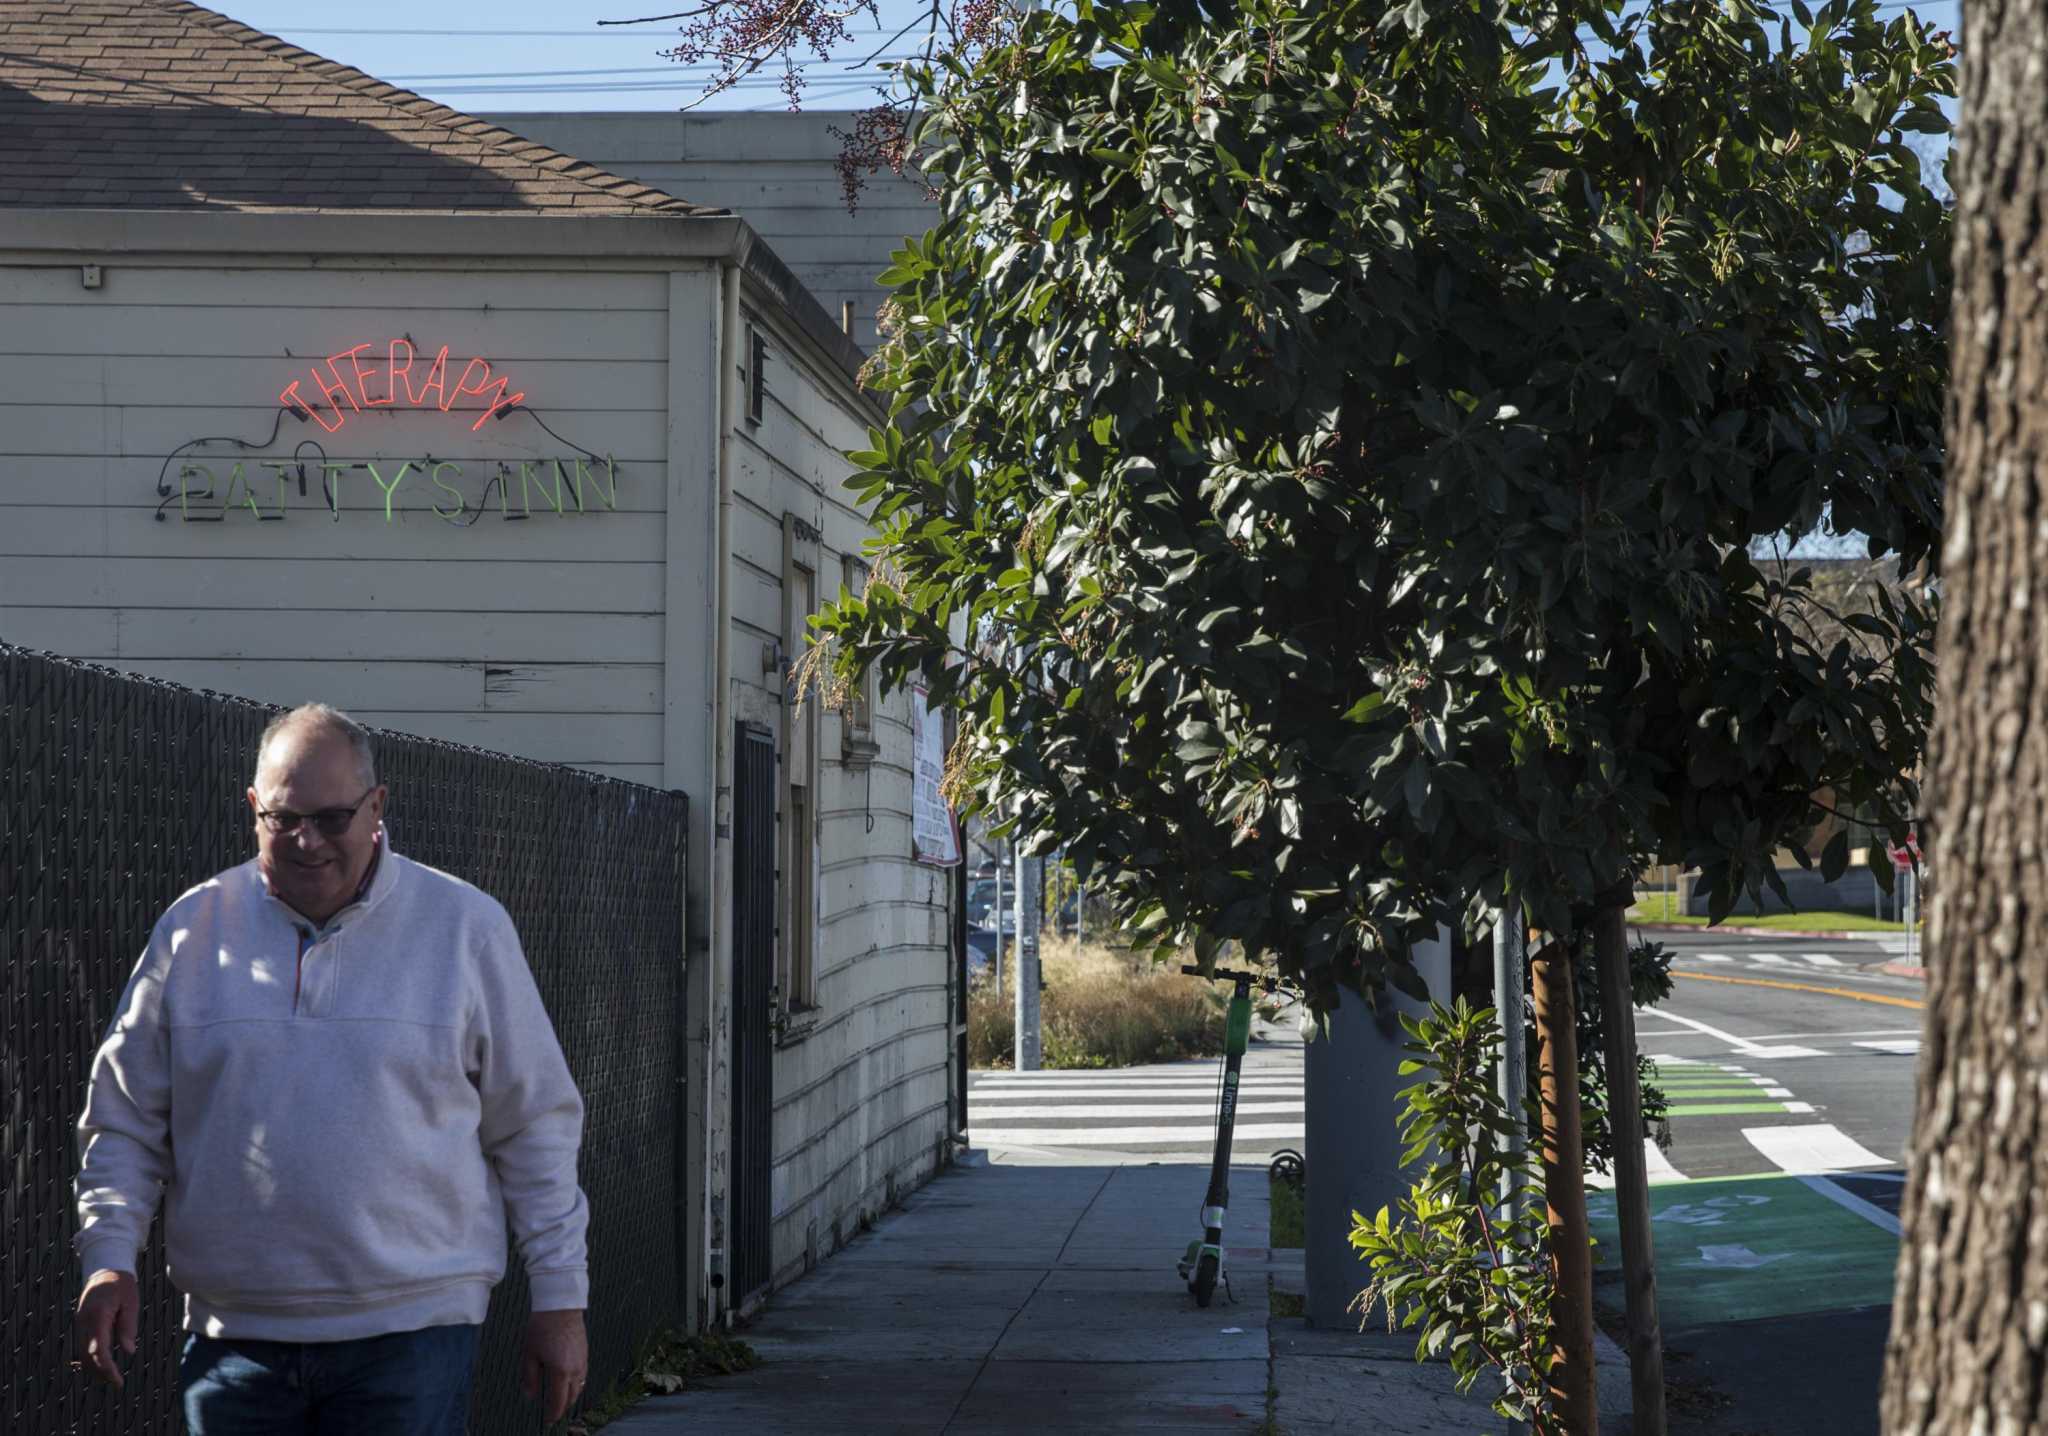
x,y
1099,1008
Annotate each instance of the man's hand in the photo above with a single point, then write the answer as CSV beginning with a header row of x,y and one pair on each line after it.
x,y
557,1352
109,1310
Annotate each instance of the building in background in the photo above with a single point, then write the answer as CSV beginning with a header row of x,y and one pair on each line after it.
x,y
779,169
311,388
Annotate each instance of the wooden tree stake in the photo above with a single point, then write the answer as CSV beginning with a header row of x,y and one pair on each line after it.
x,y
1631,1174
1571,1376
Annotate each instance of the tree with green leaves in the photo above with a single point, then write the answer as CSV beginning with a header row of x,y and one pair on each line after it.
x,y
1330,440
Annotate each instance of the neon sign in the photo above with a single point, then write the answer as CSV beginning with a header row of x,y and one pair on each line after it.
x,y
437,487
350,386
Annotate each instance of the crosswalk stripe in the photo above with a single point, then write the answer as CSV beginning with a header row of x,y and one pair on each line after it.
x,y
1130,1136
1708,957
1149,1084
1821,959
1658,1165
1177,1073
1822,1147
1905,1048
1202,1112
1105,1084
1156,1084
1768,959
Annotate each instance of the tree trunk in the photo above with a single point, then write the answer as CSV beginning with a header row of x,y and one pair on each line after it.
x,y
1969,1344
1631,1174
1571,1373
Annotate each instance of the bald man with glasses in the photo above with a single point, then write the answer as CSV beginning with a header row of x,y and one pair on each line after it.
x,y
334,1064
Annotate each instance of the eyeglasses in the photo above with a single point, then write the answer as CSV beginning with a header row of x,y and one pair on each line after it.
x,y
332,822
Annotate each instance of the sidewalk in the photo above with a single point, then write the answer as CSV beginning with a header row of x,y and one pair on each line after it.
x,y
1011,1298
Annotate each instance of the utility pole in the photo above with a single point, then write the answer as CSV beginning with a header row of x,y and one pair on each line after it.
x,y
995,920
1510,943
1509,948
1631,1174
1571,1375
1030,906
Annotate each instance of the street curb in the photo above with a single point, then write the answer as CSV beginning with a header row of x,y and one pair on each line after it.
x,y
1903,969
1766,932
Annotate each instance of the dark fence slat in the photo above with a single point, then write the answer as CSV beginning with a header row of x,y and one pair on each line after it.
x,y
116,794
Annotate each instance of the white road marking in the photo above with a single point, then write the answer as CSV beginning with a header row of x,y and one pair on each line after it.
x,y
1086,1111
1777,1091
1127,1136
1658,1165
1870,1211
1799,1106
1769,959
987,1092
1831,1036
1055,1077
1817,1149
1703,957
1734,1255
1821,959
1899,1048
1743,1046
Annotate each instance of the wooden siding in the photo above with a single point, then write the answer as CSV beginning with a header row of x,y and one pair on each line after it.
x,y
542,635
861,1094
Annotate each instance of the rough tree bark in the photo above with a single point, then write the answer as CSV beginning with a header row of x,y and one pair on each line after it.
x,y
1969,1345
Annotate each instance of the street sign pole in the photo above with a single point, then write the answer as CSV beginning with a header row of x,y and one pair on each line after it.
x,y
1030,904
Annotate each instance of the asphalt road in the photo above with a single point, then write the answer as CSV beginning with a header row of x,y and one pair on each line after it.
x,y
1789,1064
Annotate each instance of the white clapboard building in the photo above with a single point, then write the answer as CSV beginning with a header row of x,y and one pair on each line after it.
x,y
311,388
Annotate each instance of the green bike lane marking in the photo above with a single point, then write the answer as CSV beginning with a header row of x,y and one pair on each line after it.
x,y
1739,1248
1689,1083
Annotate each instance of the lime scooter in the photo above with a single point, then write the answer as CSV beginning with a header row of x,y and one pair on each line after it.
x,y
1203,1264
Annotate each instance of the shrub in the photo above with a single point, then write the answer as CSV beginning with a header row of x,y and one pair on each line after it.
x,y
1471,1271
1099,1008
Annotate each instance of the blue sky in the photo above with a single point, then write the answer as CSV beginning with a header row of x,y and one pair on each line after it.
x,y
542,54
553,55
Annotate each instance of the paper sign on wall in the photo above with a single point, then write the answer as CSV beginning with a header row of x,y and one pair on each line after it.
x,y
934,837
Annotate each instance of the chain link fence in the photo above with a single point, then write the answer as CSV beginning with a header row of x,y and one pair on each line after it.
x,y
116,795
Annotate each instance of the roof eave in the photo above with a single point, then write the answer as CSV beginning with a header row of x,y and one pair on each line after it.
x,y
373,234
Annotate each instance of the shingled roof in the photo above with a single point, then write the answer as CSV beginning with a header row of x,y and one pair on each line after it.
x,y
158,104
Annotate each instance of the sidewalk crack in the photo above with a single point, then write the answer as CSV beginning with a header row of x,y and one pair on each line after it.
x,y
982,1370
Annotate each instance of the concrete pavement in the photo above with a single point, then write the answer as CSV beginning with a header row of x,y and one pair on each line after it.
x,y
1008,1297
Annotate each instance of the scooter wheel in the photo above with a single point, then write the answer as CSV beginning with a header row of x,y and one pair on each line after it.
x,y
1204,1284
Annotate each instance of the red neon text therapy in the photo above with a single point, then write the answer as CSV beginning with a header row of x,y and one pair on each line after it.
x,y
349,382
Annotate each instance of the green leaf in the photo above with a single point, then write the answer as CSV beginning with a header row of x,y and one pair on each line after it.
x,y
1834,858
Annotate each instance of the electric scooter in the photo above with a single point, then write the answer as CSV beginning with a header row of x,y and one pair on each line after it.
x,y
1202,1265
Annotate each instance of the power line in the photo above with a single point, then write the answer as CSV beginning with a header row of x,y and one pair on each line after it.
x,y
751,82
287,28
671,69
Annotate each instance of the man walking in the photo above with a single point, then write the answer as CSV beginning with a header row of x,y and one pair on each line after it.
x,y
337,1064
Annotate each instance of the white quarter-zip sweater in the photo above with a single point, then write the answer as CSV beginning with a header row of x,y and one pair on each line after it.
x,y
343,1117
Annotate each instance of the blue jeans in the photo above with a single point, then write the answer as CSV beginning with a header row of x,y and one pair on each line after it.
x,y
409,1383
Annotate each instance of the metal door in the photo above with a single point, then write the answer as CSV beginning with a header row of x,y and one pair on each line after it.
x,y
753,1034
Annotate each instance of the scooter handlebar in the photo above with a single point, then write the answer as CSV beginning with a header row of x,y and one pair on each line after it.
x,y
1222,974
